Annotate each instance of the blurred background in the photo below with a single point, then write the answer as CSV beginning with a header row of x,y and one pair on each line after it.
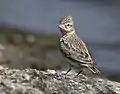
x,y
29,33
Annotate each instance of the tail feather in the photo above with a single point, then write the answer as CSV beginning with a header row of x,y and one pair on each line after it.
x,y
93,69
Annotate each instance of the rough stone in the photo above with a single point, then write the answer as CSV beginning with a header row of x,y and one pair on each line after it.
x,y
31,81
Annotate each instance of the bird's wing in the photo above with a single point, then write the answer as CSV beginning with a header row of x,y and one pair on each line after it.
x,y
76,51
81,53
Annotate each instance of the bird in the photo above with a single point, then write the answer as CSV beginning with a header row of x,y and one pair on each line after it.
x,y
73,48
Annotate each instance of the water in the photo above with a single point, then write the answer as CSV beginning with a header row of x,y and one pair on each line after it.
x,y
96,22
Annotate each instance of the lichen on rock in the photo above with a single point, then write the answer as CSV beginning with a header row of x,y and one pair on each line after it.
x,y
32,81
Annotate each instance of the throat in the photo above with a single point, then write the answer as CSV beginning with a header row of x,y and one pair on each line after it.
x,y
67,33
70,33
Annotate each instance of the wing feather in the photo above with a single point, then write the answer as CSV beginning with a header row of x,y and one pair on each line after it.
x,y
75,50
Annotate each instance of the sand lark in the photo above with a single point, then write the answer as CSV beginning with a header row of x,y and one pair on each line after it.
x,y
73,48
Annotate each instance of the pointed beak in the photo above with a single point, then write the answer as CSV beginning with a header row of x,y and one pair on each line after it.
x,y
60,26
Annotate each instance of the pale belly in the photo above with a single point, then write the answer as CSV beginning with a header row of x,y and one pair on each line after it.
x,y
74,64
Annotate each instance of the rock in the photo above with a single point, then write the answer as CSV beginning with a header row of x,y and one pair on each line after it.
x,y
17,38
30,39
31,81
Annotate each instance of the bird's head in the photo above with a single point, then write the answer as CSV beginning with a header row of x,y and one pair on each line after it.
x,y
66,25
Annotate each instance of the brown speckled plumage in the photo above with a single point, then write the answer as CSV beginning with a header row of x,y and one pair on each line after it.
x,y
73,48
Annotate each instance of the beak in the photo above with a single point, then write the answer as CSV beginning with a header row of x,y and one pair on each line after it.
x,y
60,26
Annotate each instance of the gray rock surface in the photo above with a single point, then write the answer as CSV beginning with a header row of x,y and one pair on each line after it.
x,y
31,81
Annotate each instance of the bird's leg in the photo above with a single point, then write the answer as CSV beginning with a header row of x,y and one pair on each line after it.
x,y
78,73
68,71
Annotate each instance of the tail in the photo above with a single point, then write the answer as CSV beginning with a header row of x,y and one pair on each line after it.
x,y
93,69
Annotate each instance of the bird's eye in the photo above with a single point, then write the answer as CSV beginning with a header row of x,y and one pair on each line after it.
x,y
68,24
